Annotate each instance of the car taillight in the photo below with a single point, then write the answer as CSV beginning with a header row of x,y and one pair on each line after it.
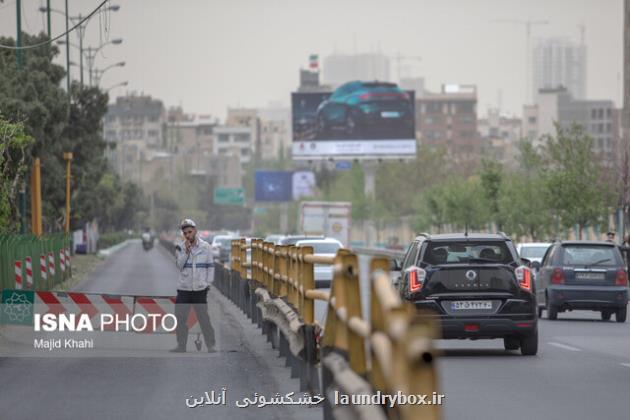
x,y
524,277
417,276
557,276
622,278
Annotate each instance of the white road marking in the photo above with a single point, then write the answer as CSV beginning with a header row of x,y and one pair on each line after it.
x,y
626,364
564,346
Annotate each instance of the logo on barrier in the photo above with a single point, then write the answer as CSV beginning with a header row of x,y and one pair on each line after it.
x,y
17,307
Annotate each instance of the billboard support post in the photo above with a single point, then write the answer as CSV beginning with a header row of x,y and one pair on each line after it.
x,y
369,189
284,217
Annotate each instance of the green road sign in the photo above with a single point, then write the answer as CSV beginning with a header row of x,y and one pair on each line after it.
x,y
229,196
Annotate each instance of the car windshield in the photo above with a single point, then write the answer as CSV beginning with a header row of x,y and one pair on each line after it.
x,y
590,255
462,252
533,251
322,247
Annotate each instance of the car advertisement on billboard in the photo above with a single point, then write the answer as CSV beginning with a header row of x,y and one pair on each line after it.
x,y
358,120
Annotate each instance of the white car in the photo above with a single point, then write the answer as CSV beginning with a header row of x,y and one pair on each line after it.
x,y
326,247
221,247
533,251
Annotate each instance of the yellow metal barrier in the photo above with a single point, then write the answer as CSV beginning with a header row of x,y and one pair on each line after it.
x,y
392,352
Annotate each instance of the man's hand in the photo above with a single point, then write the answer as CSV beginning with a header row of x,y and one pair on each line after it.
x,y
188,245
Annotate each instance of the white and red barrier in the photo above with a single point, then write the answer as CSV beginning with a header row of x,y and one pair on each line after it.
x,y
67,255
121,307
18,274
42,267
62,261
51,263
29,272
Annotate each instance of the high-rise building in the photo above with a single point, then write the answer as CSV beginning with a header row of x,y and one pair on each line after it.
x,y
598,117
559,62
342,68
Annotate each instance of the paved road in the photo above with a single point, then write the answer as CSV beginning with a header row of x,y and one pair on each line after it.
x,y
582,371
150,383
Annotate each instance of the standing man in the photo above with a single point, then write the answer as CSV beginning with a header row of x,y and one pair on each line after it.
x,y
610,236
196,268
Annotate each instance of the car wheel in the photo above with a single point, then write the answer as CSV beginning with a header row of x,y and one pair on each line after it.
x,y
529,344
511,343
552,311
620,316
606,315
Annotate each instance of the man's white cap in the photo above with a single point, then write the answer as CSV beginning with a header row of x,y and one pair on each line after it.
x,y
187,223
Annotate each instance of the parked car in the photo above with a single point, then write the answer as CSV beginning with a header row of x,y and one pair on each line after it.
x,y
364,110
326,247
221,247
588,275
476,285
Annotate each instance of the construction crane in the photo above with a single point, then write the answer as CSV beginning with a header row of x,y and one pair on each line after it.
x,y
528,33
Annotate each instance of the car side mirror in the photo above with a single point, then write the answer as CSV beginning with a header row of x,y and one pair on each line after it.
x,y
526,262
394,265
535,265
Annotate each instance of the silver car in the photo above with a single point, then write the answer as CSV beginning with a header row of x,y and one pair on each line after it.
x,y
326,247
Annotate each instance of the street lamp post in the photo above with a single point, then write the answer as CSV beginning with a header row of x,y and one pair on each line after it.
x,y
99,73
80,32
91,54
125,83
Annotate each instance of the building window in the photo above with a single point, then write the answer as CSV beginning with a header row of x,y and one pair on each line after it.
x,y
152,133
223,138
465,108
600,113
241,138
245,152
531,120
593,114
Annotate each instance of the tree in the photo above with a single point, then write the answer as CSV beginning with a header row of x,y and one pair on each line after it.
x,y
58,124
13,144
574,179
523,208
491,178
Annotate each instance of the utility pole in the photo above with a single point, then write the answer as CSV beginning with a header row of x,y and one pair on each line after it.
x,y
20,63
81,32
48,18
67,51
36,199
67,156
18,38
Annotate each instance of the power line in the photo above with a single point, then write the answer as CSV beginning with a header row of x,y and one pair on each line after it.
x,y
28,47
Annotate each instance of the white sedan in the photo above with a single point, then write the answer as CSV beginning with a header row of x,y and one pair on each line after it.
x,y
326,247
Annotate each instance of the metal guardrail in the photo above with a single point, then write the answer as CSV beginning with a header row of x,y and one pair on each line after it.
x,y
392,352
31,262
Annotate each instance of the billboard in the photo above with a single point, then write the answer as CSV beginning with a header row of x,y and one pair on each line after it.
x,y
357,120
284,185
273,186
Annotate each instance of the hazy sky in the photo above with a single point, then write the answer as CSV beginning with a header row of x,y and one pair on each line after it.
x,y
207,55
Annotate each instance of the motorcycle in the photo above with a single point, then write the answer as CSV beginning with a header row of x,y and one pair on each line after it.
x,y
147,242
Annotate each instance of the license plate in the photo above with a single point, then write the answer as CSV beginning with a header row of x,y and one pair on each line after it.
x,y
590,276
459,305
390,114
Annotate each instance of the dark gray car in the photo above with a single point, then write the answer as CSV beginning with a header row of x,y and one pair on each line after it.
x,y
589,275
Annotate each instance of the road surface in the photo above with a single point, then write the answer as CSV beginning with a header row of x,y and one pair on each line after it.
x,y
151,383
